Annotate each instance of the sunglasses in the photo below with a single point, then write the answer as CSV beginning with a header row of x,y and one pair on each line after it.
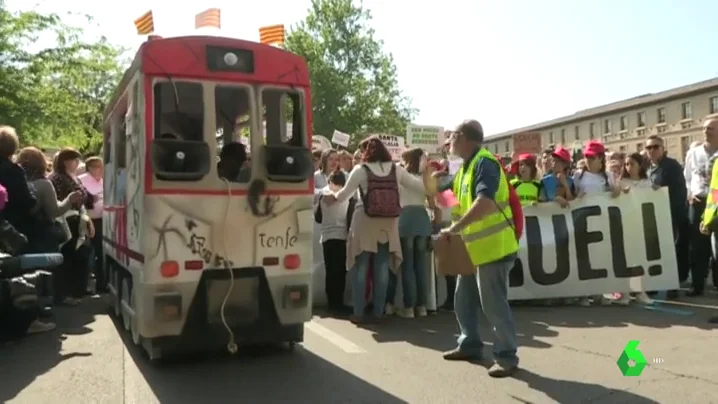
x,y
652,147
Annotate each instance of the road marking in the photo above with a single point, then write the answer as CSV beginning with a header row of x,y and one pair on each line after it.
x,y
334,338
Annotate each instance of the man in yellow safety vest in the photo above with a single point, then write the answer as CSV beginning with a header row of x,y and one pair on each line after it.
x,y
483,218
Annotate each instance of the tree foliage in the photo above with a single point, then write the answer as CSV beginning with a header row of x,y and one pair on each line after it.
x,y
354,82
54,96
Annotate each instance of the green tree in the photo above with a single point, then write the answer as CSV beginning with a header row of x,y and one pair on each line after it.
x,y
354,82
54,96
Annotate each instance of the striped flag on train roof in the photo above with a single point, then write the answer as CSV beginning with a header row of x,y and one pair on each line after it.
x,y
208,18
145,25
272,35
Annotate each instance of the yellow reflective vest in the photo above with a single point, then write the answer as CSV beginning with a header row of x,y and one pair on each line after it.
x,y
712,200
492,237
528,191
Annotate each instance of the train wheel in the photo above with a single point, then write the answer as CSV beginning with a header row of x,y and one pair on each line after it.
x,y
118,290
126,293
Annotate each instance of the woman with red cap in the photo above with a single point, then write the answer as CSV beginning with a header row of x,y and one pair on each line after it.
x,y
556,185
593,180
525,183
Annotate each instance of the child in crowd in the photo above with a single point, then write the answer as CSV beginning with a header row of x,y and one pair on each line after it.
x,y
634,175
334,220
526,185
556,185
593,180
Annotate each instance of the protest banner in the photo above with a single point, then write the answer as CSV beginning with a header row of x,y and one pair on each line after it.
x,y
528,142
429,138
395,145
341,138
599,245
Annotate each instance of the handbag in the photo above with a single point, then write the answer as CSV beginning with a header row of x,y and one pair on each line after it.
x,y
60,230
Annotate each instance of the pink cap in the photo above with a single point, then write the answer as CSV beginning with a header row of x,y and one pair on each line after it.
x,y
594,149
562,154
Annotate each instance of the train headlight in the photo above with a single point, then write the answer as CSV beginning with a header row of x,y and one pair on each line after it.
x,y
230,59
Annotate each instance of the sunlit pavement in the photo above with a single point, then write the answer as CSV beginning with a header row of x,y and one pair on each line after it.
x,y
568,355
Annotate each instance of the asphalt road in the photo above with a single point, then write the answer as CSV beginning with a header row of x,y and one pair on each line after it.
x,y
568,355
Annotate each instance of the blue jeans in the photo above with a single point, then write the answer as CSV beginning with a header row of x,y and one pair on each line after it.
x,y
484,298
414,270
381,279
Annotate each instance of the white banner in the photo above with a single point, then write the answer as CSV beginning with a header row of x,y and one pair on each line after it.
x,y
598,245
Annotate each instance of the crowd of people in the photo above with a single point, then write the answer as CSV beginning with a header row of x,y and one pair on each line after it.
x,y
376,219
57,205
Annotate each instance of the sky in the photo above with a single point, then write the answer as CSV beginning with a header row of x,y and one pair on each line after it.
x,y
508,63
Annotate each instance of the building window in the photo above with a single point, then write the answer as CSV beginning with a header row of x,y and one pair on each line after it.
x,y
506,146
591,130
550,137
713,107
576,132
607,126
639,147
622,148
623,123
496,148
686,111
661,115
563,136
641,119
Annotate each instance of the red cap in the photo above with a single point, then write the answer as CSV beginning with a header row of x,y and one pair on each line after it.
x,y
513,168
594,149
562,154
526,157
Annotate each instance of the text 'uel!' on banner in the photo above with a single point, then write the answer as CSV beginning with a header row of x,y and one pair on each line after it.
x,y
582,238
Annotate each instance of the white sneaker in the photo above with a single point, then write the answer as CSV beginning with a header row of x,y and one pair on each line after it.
x,y
421,311
644,298
623,300
389,309
405,313
38,327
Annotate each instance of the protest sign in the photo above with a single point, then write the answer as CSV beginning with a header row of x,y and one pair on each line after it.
x,y
341,139
429,138
528,142
395,145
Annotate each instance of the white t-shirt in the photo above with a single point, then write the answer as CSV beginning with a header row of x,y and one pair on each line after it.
x,y
697,171
587,182
334,219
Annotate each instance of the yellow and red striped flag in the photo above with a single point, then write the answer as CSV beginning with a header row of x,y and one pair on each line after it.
x,y
145,24
272,35
208,18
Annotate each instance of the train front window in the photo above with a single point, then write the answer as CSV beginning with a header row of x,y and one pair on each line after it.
x,y
233,114
287,155
179,151
283,117
179,110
